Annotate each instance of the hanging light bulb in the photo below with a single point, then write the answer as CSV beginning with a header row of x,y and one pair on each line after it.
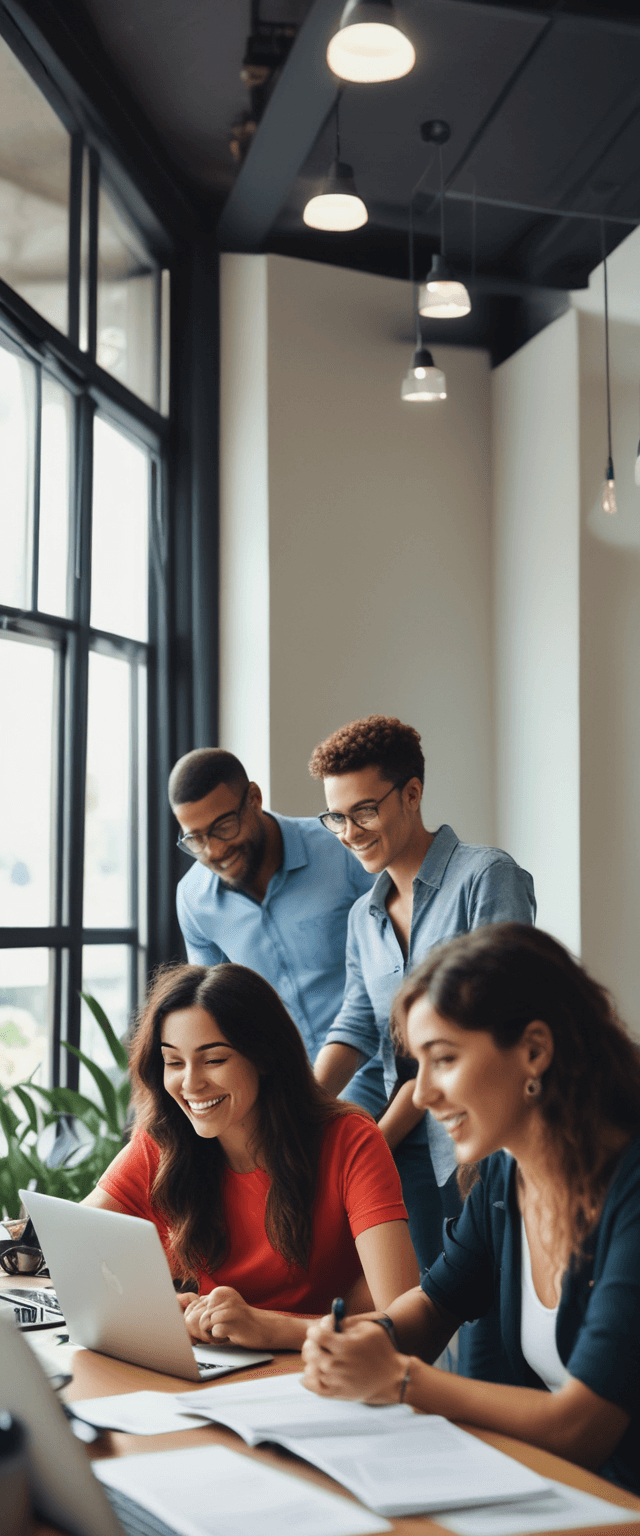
x,y
369,45
441,296
609,503
423,381
337,206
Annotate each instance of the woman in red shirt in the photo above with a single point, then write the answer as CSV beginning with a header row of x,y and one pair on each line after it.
x,y
270,1196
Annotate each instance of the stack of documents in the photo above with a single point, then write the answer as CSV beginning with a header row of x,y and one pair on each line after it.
x,y
396,1461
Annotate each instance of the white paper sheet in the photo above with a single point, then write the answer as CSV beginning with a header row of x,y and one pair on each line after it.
x,y
200,1490
137,1413
559,1509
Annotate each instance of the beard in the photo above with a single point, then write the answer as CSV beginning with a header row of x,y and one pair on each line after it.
x,y
252,851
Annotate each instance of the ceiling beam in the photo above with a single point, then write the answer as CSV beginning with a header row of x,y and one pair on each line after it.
x,y
296,112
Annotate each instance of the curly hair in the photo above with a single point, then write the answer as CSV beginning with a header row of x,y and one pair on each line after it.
x,y
293,1112
499,979
379,741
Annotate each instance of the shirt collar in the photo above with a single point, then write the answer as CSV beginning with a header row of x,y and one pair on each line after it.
x,y
294,855
431,871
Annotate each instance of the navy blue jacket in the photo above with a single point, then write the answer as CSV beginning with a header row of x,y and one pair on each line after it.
x,y
598,1324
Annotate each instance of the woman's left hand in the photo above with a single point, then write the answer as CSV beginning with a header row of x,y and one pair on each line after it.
x,y
359,1363
223,1317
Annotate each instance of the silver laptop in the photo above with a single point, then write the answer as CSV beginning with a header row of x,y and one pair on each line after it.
x,y
63,1487
113,1284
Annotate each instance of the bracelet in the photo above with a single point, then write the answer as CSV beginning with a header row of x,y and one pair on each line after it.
x,y
404,1384
386,1323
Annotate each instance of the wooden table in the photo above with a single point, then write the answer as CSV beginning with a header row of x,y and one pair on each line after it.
x,y
99,1376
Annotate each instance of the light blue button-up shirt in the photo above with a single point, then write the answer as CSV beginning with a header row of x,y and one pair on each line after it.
x,y
459,886
296,936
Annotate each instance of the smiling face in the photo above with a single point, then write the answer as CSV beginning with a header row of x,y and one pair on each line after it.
x,y
393,828
476,1090
215,1086
238,859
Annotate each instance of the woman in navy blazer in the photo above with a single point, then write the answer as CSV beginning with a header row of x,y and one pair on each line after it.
x,y
522,1057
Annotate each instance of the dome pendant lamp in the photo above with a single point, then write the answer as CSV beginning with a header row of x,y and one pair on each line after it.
x,y
369,45
441,296
337,206
609,503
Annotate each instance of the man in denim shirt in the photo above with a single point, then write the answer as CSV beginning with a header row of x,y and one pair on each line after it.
x,y
269,892
430,887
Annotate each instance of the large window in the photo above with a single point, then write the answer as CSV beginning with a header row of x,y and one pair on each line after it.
x,y
81,472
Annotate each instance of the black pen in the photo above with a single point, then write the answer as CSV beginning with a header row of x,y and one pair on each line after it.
x,y
337,1313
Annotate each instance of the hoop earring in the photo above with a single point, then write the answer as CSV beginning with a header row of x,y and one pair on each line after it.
x,y
533,1087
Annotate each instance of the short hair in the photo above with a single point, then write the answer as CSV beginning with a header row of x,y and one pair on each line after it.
x,y
379,741
198,772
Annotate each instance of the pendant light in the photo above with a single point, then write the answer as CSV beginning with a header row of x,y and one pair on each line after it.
x,y
369,45
609,503
337,206
422,380
442,296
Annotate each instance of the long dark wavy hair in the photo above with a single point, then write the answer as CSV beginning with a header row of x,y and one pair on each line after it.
x,y
293,1113
499,979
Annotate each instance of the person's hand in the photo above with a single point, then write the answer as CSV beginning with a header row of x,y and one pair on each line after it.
x,y
359,1363
223,1317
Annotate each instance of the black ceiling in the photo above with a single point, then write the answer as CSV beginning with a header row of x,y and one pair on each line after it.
x,y
543,103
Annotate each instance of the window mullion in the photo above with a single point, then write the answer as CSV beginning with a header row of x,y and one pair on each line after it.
x,y
76,737
94,202
35,517
75,237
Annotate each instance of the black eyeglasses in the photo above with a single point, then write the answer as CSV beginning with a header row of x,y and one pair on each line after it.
x,y
223,830
367,815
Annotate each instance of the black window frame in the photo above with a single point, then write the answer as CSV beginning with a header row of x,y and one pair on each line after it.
x,y
73,639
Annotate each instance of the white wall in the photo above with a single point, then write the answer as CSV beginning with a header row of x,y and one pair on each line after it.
x,y
535,432
610,666
378,515
244,516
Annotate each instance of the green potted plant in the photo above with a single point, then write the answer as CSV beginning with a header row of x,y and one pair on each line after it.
x,y
88,1131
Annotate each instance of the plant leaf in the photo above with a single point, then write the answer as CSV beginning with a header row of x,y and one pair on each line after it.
x,y
118,1050
105,1087
28,1104
8,1120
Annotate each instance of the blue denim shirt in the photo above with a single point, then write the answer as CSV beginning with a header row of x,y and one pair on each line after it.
x,y
296,936
459,886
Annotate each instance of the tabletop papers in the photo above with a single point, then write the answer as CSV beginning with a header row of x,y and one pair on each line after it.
x,y
200,1490
137,1413
557,1508
397,1462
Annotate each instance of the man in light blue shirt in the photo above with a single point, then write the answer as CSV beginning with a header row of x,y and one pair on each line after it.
x,y
429,888
270,892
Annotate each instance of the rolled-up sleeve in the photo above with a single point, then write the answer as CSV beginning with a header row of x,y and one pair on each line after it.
x,y
355,1024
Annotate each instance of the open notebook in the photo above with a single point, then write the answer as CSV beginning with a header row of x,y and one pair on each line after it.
x,y
397,1462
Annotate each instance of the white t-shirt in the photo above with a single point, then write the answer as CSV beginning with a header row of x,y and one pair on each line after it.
x,y
538,1327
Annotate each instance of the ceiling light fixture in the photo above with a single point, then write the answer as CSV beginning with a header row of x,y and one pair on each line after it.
x,y
441,296
337,206
422,380
369,45
609,503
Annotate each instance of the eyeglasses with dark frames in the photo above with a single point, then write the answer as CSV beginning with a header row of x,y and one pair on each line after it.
x,y
366,815
222,830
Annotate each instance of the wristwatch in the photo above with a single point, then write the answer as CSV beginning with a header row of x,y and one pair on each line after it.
x,y
386,1323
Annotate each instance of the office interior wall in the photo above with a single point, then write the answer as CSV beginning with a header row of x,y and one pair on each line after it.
x,y
379,539
535,454
244,516
610,662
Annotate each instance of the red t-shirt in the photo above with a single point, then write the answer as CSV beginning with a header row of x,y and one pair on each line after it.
x,y
357,1187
